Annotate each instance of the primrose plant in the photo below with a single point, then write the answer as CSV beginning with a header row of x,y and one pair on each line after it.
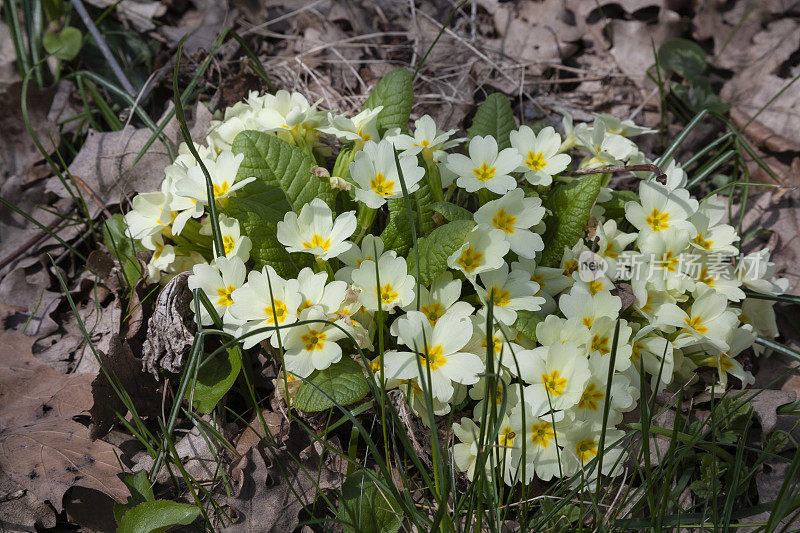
x,y
477,274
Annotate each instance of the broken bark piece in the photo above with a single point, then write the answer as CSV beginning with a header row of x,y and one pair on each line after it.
x,y
171,329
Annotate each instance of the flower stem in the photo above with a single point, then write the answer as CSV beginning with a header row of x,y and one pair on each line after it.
x,y
320,265
364,219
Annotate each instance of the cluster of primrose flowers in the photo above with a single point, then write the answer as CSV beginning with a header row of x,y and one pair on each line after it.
x,y
554,389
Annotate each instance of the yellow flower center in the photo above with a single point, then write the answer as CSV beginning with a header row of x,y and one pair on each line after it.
x,y
225,295
657,220
636,354
670,262
706,278
470,259
424,143
535,161
277,309
506,437
502,220
588,321
364,136
497,347
387,294
498,394
313,340
590,397
554,383
696,323
501,298
646,308
702,242
595,286
724,362
221,190
303,306
610,250
433,312
484,172
434,358
586,449
228,243
570,266
159,250
317,241
380,186
542,434
600,344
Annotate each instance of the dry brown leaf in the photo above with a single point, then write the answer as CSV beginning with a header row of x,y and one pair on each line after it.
x,y
534,33
41,447
19,152
780,122
769,481
203,24
140,13
766,403
780,213
30,299
199,460
272,489
733,27
21,511
105,164
17,235
635,42
120,362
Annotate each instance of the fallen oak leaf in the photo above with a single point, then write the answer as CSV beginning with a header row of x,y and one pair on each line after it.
x,y
41,446
52,456
20,510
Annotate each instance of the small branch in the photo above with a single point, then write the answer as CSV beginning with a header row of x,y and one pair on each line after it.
x,y
30,243
101,43
92,195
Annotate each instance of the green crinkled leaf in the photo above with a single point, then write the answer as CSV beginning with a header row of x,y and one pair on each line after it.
x,y
365,508
214,379
66,45
123,247
451,212
279,164
119,244
684,57
397,233
157,515
396,94
436,248
141,492
570,205
258,206
494,117
615,208
526,323
344,382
